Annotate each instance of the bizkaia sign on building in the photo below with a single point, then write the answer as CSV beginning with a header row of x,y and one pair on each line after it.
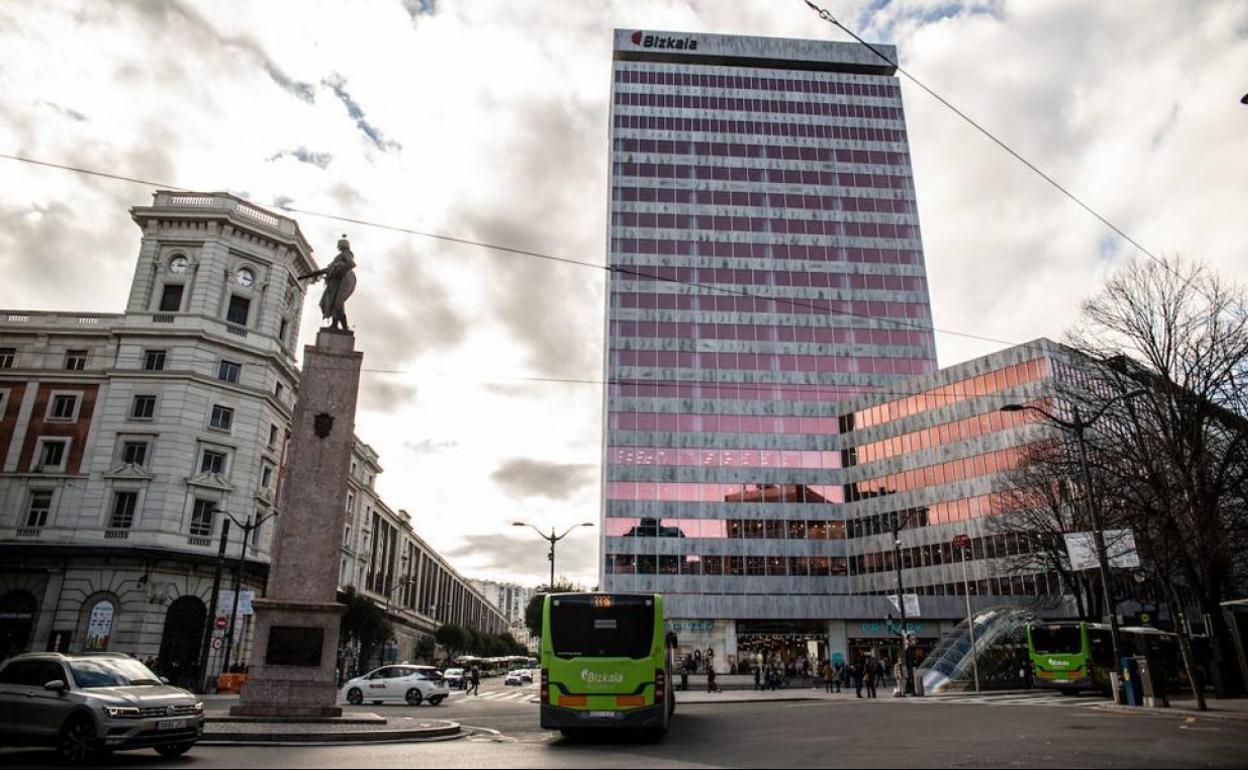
x,y
647,40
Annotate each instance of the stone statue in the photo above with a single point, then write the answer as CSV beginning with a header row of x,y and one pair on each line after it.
x,y
339,285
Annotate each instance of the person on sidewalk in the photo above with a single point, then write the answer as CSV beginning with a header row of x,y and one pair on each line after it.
x,y
829,677
899,674
870,676
710,680
855,671
758,678
475,681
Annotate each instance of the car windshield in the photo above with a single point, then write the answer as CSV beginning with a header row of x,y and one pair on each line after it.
x,y
111,672
454,672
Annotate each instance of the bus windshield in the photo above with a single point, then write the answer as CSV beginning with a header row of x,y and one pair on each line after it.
x,y
601,627
1057,640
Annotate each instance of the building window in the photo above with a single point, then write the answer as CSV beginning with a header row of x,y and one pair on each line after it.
x,y
40,505
171,298
202,517
272,436
134,453
124,504
154,360
52,454
222,417
281,332
266,476
64,408
239,310
7,355
75,360
212,461
143,408
228,371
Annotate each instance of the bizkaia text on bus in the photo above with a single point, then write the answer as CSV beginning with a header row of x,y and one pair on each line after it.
x,y
660,41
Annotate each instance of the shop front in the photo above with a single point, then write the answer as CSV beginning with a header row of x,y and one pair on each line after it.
x,y
796,647
882,639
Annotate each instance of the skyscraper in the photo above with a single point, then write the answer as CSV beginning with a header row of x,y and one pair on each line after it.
x,y
767,263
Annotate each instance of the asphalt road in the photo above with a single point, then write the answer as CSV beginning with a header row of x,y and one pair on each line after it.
x,y
1047,732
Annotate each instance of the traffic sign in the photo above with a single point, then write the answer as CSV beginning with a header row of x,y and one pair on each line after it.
x,y
217,642
962,541
221,622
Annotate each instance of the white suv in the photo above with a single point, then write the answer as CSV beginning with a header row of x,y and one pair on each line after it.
x,y
412,684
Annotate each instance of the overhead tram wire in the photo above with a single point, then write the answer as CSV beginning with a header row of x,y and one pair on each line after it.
x,y
619,269
827,16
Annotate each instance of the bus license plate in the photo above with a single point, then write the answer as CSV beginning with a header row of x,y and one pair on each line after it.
x,y
603,715
171,724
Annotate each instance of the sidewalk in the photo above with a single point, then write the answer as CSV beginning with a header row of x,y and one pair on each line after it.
x,y
1232,709
693,695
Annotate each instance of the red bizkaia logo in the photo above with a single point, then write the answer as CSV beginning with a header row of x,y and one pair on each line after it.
x,y
661,41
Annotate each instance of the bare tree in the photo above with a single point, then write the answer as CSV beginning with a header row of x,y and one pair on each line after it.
x,y
1175,459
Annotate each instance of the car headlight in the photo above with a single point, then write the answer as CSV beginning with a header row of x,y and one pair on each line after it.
x,y
199,707
121,712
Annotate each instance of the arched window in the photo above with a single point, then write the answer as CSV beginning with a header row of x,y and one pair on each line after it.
x,y
99,626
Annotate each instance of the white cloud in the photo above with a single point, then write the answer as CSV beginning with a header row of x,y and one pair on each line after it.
x,y
496,115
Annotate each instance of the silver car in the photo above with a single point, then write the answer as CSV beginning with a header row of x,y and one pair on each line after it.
x,y
88,705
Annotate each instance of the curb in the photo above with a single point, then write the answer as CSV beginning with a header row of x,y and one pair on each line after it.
x,y
1171,712
448,730
788,699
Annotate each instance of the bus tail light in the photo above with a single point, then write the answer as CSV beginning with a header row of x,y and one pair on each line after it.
x,y
660,686
573,701
545,692
630,701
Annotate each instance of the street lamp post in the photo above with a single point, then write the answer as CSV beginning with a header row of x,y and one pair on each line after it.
x,y
963,543
1079,426
907,687
202,673
552,538
247,528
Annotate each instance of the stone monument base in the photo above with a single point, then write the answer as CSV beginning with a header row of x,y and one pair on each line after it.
x,y
294,661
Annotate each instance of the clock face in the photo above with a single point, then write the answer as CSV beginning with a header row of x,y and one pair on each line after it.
x,y
244,277
178,264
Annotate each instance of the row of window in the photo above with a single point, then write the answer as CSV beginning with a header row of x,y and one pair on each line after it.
x,y
836,335
731,391
768,362
809,177
804,107
726,529
935,554
815,84
985,464
790,306
816,279
123,513
721,423
814,154
722,458
726,566
744,199
778,225
1038,584
946,433
697,492
760,128
769,252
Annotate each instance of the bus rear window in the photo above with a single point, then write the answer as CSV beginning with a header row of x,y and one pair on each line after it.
x,y
578,628
1057,640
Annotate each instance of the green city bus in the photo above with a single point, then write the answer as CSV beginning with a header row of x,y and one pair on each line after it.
x,y
1072,656
606,663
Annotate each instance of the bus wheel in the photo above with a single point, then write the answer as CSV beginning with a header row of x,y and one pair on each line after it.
x,y
568,732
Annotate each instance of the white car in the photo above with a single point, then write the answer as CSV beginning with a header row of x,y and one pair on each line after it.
x,y
413,685
517,678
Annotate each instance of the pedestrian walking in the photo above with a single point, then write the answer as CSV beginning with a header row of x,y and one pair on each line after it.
x,y
870,675
899,675
855,671
710,680
475,680
758,678
829,677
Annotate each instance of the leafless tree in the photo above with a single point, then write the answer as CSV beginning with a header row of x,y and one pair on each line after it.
x,y
1174,459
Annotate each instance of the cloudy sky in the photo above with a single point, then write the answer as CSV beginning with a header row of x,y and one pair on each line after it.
x,y
487,120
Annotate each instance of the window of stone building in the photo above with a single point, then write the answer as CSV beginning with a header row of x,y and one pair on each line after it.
x,y
266,476
75,360
40,506
222,417
51,454
124,505
238,310
202,514
154,360
213,461
229,371
143,408
63,407
7,356
134,453
171,298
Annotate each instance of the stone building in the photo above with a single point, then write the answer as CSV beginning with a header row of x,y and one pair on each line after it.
x,y
125,439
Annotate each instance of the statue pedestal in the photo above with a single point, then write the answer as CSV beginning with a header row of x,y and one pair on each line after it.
x,y
294,652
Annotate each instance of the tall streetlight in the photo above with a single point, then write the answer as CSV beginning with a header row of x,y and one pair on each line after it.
x,y
1079,426
552,539
247,528
907,687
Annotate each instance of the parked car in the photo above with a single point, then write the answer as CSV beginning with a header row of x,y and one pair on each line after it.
x,y
91,704
413,685
455,678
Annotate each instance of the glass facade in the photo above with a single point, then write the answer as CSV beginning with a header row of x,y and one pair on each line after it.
x,y
765,240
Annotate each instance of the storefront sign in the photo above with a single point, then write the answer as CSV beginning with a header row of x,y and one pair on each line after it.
x,y
100,626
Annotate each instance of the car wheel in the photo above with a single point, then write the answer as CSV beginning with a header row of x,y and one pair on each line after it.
x,y
414,698
354,696
78,743
174,749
